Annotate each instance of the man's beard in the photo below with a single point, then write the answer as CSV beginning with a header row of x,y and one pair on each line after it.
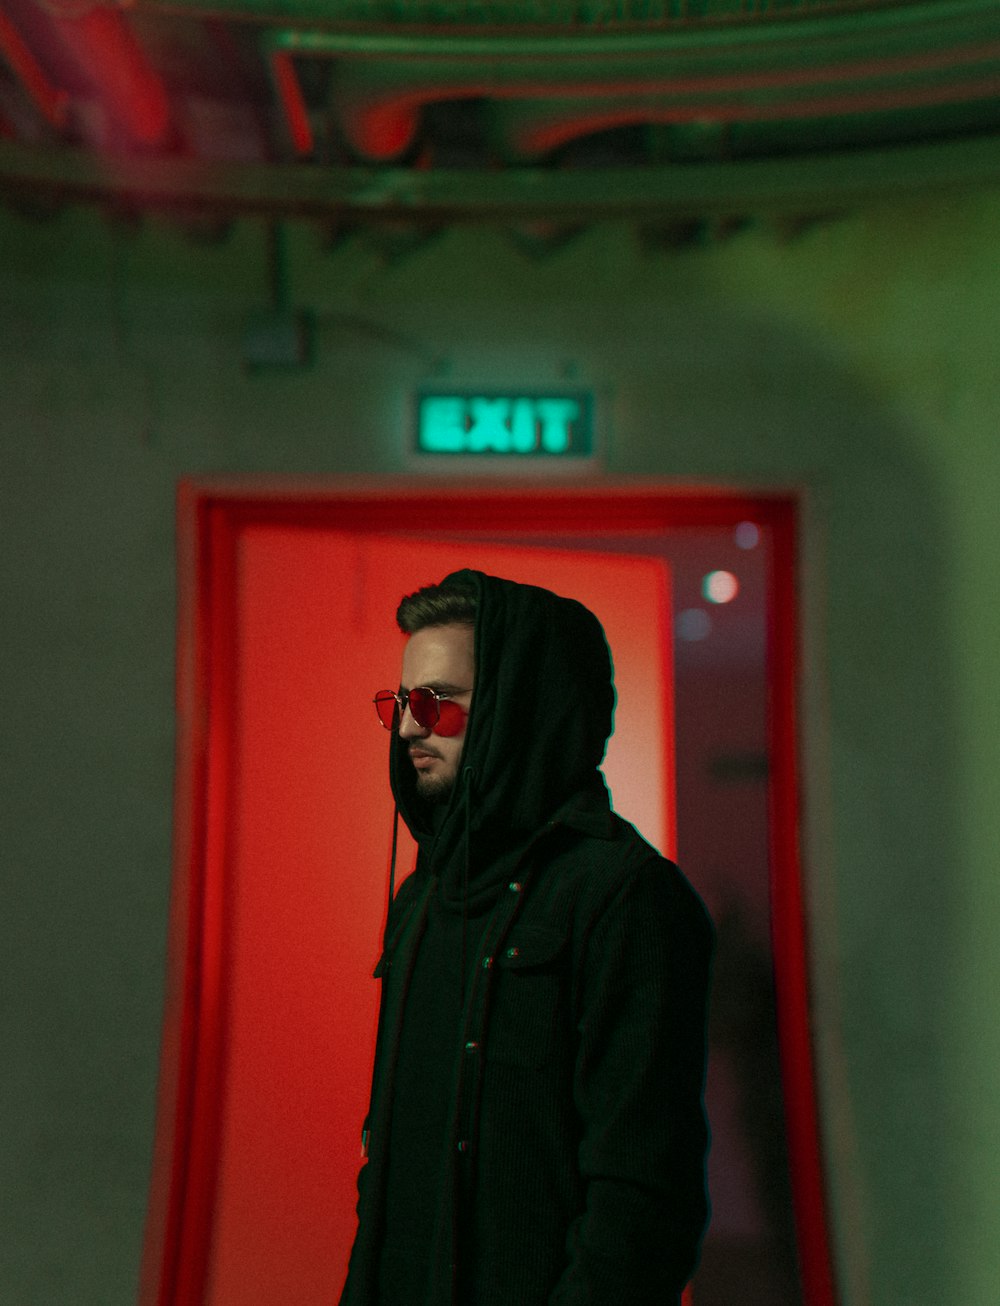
x,y
435,789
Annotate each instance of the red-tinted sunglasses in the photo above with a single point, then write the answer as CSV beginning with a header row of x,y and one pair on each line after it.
x,y
431,710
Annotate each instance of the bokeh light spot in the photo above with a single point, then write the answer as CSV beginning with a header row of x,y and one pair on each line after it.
x,y
693,624
720,587
747,535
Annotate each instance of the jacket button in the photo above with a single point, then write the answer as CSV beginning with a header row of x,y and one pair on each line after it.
x,y
472,1046
463,1145
514,886
487,963
513,952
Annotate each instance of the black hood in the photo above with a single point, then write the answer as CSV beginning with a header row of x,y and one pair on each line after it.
x,y
542,712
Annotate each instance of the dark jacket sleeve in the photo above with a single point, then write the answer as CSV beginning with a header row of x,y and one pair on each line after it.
x,y
638,1085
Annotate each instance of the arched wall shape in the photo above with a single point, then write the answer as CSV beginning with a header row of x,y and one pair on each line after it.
x,y
218,523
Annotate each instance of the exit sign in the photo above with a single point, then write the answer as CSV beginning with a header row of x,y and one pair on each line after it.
x,y
509,425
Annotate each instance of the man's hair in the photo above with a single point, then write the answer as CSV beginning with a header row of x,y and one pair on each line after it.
x,y
437,605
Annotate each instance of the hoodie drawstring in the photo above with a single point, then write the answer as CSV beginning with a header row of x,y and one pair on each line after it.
x,y
392,856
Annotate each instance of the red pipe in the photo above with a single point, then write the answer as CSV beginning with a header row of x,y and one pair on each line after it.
x,y
292,101
51,100
108,53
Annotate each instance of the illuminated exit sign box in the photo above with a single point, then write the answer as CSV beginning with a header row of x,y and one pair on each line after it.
x,y
513,426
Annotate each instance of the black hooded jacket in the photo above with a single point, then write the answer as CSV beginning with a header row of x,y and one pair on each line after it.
x,y
536,1134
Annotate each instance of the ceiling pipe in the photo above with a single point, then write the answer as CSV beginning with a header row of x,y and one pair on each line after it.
x,y
52,101
374,127
381,86
533,117
533,130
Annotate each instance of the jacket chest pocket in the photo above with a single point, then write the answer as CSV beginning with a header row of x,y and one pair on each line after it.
x,y
528,1007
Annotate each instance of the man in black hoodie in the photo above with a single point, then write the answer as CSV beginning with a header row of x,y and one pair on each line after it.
x,y
536,1133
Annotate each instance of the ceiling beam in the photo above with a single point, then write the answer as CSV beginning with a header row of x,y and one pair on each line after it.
x,y
586,19
818,183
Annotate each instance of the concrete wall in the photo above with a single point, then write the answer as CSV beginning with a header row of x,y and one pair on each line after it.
x,y
856,360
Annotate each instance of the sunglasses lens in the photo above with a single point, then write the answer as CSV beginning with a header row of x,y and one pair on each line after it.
x,y
424,709
451,719
387,708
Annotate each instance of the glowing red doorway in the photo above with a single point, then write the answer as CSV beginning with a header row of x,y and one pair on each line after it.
x,y
226,1157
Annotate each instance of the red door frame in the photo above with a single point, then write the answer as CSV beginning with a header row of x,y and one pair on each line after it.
x,y
211,515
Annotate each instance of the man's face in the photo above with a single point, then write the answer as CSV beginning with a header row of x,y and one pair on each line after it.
x,y
439,658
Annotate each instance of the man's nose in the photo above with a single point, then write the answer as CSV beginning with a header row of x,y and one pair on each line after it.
x,y
409,728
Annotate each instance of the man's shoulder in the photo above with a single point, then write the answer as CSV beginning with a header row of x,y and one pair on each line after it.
x,y
618,850
586,874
